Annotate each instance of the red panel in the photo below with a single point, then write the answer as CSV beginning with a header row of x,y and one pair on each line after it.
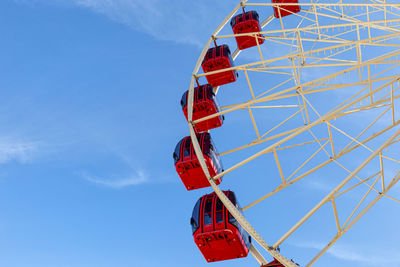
x,y
288,9
218,236
274,263
221,78
221,245
247,26
203,109
192,175
215,63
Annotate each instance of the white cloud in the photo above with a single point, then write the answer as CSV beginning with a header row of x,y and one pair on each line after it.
x,y
137,178
346,253
181,21
11,150
318,185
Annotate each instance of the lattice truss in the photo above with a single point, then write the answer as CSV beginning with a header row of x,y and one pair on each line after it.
x,y
329,97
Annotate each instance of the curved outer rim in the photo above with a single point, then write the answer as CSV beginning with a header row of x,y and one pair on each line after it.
x,y
228,204
232,209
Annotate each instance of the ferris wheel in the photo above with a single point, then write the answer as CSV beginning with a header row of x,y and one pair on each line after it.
x,y
309,92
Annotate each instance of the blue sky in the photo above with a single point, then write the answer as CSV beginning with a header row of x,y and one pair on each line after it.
x,y
89,117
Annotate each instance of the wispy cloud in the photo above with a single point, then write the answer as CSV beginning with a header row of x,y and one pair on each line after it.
x,y
346,253
318,185
11,150
135,179
181,21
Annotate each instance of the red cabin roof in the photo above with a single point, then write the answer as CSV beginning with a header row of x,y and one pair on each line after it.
x,y
188,166
219,58
274,263
216,232
283,10
247,23
204,104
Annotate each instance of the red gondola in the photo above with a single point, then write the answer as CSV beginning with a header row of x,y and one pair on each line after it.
x,y
286,10
188,167
218,58
216,232
246,23
274,263
204,104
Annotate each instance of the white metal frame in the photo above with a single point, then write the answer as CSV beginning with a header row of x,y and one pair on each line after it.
x,y
379,92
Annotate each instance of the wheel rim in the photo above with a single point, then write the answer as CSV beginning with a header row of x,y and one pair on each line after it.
x,y
378,86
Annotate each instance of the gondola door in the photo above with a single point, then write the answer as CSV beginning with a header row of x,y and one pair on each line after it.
x,y
216,239
188,166
220,215
207,215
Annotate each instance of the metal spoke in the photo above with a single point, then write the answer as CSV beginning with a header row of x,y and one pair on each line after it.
x,y
336,89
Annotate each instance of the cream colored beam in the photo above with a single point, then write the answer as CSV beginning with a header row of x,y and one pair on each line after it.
x,y
256,142
333,117
253,121
361,201
278,164
257,255
281,123
392,102
272,97
220,194
331,140
323,164
277,106
334,191
335,214
382,172
297,54
317,20
275,87
201,57
368,20
232,208
366,147
290,182
292,133
257,64
325,27
345,17
319,143
324,118
357,218
301,144
366,129
308,160
362,181
321,4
